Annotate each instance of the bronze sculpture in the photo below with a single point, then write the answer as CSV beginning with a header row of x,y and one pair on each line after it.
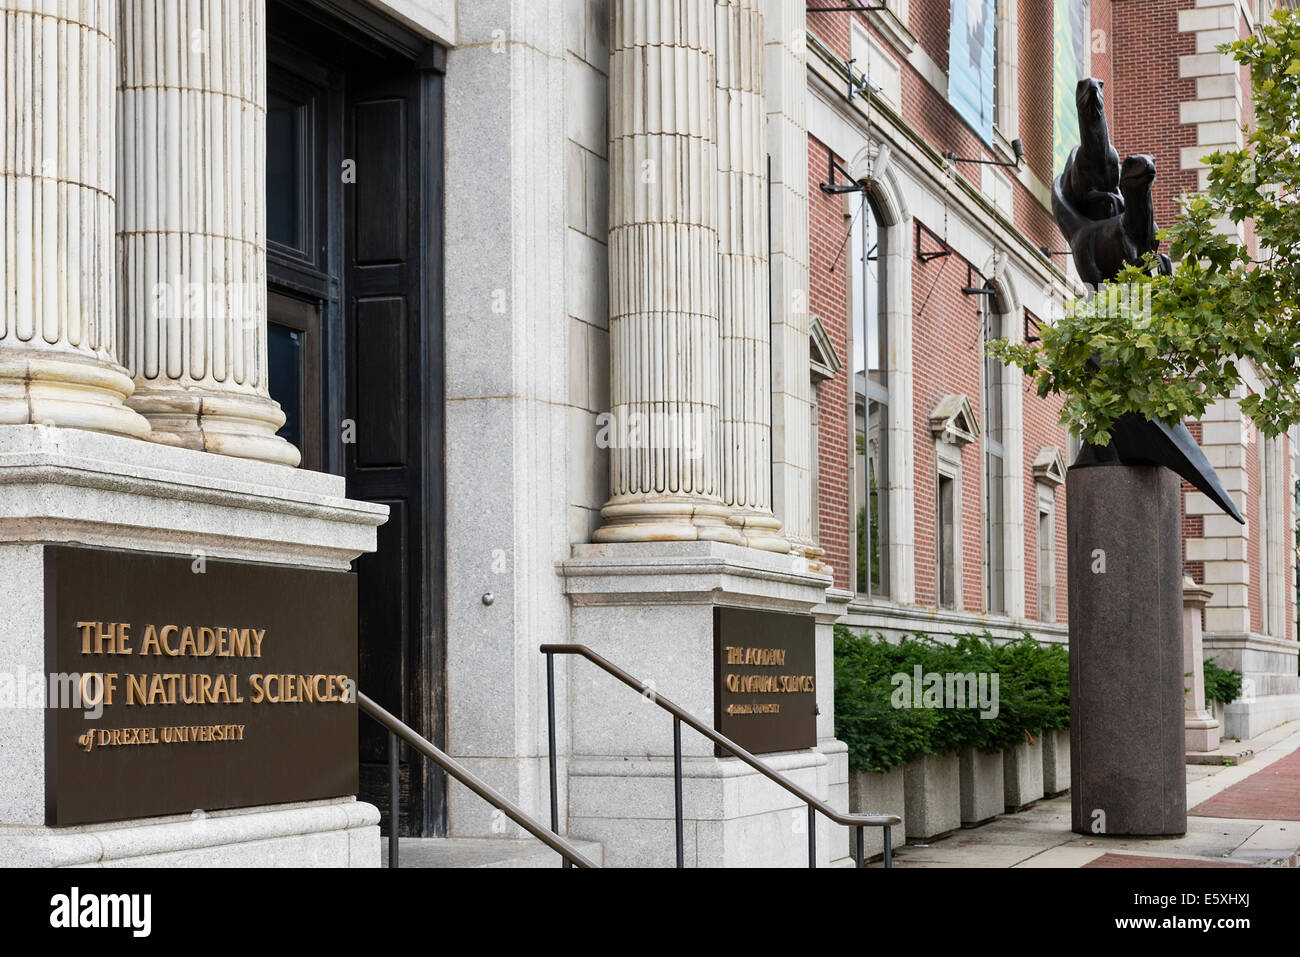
x,y
1106,213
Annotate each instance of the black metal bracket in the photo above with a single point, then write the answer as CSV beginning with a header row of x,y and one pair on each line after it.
x,y
882,5
856,87
973,290
1049,252
921,254
1032,326
832,187
1016,145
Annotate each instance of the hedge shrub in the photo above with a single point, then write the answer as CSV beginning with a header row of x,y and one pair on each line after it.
x,y
1033,695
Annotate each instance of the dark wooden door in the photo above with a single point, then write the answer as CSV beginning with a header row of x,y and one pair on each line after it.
x,y
393,389
355,274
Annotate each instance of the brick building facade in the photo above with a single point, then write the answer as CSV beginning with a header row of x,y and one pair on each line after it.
x,y
882,111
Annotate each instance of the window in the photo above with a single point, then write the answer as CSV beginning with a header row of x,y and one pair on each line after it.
x,y
994,470
870,407
1046,565
293,362
945,542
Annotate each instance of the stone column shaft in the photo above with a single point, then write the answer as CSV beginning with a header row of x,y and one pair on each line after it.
x,y
786,97
665,482
743,304
58,357
192,224
1201,727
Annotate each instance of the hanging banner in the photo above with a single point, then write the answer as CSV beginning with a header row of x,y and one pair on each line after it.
x,y
972,64
1071,67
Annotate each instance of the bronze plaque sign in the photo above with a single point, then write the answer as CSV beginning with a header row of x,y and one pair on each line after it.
x,y
764,689
218,684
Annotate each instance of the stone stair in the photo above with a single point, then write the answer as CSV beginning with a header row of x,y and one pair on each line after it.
x,y
483,852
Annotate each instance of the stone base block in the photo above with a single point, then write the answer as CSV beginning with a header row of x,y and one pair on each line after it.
x,y
981,786
340,833
1201,732
932,789
732,815
1056,762
649,608
1023,778
1127,663
872,792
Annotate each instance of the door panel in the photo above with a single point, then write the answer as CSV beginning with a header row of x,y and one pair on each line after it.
x,y
355,283
386,333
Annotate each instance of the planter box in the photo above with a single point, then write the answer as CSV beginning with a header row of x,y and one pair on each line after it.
x,y
932,792
1023,773
1056,762
872,792
982,790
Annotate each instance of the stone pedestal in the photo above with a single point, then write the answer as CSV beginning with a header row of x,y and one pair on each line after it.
x,y
1202,728
648,608
71,486
1126,651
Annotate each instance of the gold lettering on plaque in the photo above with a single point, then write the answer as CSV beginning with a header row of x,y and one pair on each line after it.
x,y
761,684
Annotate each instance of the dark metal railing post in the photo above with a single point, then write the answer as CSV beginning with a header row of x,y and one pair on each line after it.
x,y
889,854
677,789
550,731
812,836
394,800
725,746
857,851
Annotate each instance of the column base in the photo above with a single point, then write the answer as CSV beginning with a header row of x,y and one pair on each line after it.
x,y
761,529
1201,731
667,520
69,390
811,554
243,426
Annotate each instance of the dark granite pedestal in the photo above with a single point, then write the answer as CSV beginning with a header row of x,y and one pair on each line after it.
x,y
1126,651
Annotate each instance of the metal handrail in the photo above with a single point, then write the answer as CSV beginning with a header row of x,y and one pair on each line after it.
x,y
398,729
815,804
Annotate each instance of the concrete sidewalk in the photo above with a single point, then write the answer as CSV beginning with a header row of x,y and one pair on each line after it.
x,y
1243,815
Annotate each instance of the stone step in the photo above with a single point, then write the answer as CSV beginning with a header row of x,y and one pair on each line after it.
x,y
483,852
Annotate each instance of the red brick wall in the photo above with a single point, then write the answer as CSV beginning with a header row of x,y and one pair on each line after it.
x,y
947,352
1147,90
1042,429
828,300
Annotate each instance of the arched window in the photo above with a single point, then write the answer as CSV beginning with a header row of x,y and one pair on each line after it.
x,y
870,338
995,466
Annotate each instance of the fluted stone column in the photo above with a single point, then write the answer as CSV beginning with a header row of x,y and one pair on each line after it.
x,y
192,224
743,306
58,357
665,481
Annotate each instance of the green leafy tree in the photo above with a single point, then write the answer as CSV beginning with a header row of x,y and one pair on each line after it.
x,y
1168,346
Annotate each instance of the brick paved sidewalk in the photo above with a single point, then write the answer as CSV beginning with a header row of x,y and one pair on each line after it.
x,y
1242,815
